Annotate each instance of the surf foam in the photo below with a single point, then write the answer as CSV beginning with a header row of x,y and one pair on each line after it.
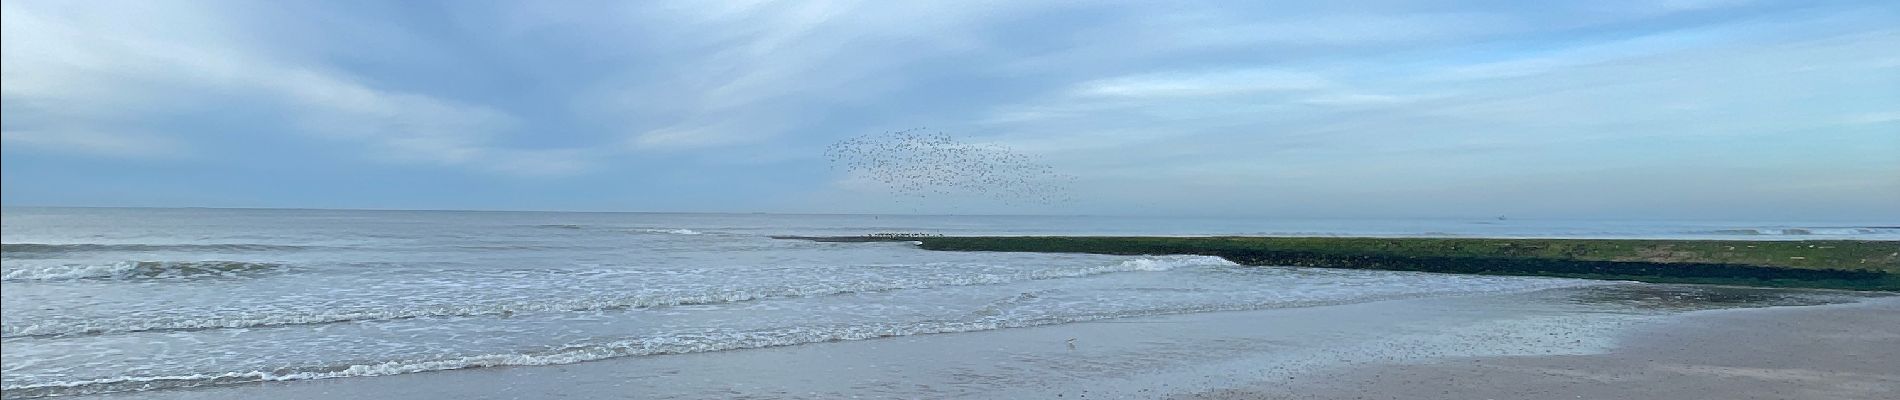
x,y
135,270
147,324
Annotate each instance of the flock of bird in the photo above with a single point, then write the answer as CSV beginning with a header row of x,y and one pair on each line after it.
x,y
921,164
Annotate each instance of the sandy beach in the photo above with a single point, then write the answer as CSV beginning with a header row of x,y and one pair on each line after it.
x,y
1849,351
1607,341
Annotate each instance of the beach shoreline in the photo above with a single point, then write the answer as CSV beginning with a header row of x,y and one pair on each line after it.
x,y
1839,351
1239,354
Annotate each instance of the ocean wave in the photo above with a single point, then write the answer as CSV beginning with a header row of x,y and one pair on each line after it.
x,y
696,342
666,231
137,270
149,324
673,231
635,230
13,250
1832,231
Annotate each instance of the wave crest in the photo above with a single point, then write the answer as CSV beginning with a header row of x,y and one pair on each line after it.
x,y
96,327
137,270
36,250
1833,231
681,231
709,341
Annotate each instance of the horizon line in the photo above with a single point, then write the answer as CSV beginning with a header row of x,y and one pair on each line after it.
x,y
1493,218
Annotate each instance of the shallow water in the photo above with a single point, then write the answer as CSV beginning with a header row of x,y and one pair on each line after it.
x,y
1137,357
107,300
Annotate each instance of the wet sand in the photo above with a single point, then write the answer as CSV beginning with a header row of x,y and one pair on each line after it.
x,y
1847,351
1606,341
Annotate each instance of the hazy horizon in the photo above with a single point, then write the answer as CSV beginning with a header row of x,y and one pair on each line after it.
x,y
1499,219
1605,110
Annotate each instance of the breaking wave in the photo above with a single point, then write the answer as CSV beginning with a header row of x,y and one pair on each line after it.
x,y
137,270
109,326
673,231
696,342
666,231
33,250
1834,231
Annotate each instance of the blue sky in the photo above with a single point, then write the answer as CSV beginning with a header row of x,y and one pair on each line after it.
x,y
1709,109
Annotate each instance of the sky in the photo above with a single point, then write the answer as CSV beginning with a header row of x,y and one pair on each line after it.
x,y
1653,109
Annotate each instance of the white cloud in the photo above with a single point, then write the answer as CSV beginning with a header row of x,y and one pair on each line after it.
x,y
1872,118
1588,54
1349,29
1347,99
677,137
1214,83
746,74
96,143
1666,6
124,61
1214,98
1699,101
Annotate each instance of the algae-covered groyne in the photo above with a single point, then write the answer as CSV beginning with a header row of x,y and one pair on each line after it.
x,y
1837,264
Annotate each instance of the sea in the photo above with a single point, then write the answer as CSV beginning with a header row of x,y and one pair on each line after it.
x,y
100,300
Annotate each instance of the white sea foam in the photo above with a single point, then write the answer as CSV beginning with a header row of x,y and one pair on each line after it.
x,y
64,272
1822,231
56,250
1853,231
133,270
680,231
143,324
447,290
721,340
